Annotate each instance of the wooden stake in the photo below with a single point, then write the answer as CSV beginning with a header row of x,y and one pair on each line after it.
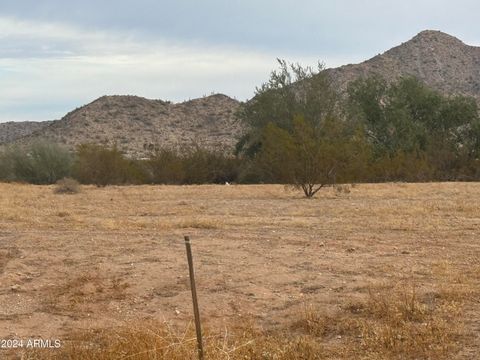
x,y
194,298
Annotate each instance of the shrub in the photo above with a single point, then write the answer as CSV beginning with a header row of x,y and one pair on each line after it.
x,y
192,166
166,167
204,166
342,189
39,163
99,165
6,166
67,186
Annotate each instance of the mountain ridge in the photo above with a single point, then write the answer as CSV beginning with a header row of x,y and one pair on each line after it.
x,y
138,126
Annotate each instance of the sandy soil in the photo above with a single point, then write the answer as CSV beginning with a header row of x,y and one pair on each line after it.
x,y
110,255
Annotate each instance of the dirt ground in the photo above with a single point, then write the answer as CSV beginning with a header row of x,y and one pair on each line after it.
x,y
110,255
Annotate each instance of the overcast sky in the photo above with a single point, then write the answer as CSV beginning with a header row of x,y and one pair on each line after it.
x,y
56,55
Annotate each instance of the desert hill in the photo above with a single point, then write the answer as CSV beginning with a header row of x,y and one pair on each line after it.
x,y
138,125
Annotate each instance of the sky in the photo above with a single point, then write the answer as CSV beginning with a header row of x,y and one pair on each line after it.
x,y
56,55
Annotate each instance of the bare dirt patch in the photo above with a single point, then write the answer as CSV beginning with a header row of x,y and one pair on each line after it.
x,y
111,256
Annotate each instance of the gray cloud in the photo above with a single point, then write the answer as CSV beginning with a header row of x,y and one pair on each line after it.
x,y
307,27
54,54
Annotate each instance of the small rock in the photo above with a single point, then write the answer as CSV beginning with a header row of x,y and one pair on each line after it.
x,y
15,287
352,249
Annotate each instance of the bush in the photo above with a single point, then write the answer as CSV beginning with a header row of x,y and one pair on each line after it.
x,y
96,164
39,163
166,167
67,186
6,166
204,166
342,189
402,166
192,166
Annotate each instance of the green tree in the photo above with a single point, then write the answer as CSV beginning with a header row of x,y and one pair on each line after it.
x,y
291,91
297,135
309,158
411,126
394,116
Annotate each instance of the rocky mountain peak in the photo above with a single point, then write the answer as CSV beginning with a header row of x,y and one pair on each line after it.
x,y
440,60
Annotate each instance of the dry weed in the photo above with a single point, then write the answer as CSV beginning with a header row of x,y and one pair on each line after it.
x,y
392,323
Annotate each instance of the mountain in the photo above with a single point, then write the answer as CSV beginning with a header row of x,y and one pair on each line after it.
x,y
440,60
138,125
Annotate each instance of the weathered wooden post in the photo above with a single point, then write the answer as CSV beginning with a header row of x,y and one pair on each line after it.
x,y
194,298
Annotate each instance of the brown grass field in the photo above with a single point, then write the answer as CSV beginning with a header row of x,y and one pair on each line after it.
x,y
385,271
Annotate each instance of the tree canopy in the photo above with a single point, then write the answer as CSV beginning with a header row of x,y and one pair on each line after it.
x,y
296,134
408,119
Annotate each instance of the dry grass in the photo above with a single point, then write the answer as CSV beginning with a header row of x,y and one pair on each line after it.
x,y
158,341
399,325
392,323
385,271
